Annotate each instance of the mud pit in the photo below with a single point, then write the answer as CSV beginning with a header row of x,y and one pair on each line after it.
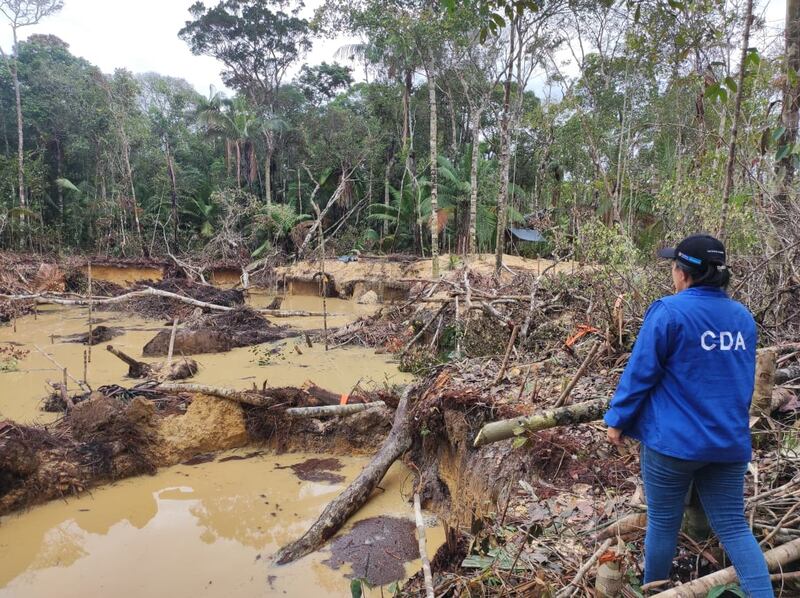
x,y
188,531
213,513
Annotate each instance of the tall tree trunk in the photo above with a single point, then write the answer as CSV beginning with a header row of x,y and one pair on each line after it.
x,y
473,181
268,170
59,190
790,110
173,195
737,109
434,222
238,164
386,194
505,156
20,138
406,109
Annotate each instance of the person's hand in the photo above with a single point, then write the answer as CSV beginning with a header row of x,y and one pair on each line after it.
x,y
615,436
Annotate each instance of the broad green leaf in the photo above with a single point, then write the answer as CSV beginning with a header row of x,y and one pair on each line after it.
x,y
778,133
782,152
355,588
67,184
731,84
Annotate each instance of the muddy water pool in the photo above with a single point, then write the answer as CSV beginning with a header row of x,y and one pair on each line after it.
x,y
201,530
190,530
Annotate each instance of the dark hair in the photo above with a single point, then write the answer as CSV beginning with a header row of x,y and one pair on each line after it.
x,y
709,275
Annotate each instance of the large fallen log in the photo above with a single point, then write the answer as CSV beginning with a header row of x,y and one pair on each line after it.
x,y
309,395
578,413
247,397
776,558
356,494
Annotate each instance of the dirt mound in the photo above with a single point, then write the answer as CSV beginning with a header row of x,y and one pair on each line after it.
x,y
164,308
210,424
100,334
218,332
102,439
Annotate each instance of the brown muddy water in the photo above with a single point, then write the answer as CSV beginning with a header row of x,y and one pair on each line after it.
x,y
206,529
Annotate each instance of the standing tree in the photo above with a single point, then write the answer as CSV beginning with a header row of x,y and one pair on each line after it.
x,y
23,13
790,105
257,41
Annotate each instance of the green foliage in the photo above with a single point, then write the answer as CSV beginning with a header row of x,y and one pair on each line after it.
x,y
606,245
731,588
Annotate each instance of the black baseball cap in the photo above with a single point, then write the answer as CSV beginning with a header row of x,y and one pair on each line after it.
x,y
697,251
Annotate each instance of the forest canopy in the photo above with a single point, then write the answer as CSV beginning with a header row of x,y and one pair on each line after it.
x,y
608,126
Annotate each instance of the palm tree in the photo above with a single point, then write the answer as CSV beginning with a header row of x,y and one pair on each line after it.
x,y
235,121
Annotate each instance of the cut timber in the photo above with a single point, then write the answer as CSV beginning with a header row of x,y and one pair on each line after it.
x,y
634,522
764,383
331,410
579,413
136,369
356,494
776,558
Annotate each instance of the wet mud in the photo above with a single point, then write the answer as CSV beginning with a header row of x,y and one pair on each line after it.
x,y
318,470
376,549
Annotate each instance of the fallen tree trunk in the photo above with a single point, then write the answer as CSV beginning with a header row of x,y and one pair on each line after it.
x,y
356,494
331,410
248,398
777,557
578,413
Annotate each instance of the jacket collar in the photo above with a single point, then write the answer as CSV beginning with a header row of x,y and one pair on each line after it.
x,y
705,292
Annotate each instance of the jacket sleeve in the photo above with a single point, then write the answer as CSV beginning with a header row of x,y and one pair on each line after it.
x,y
645,367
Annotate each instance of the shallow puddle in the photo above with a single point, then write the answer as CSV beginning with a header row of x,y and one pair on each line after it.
x,y
206,529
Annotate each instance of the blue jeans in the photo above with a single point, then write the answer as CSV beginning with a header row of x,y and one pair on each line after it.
x,y
720,487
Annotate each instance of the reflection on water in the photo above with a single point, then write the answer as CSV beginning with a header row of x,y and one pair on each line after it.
x,y
208,528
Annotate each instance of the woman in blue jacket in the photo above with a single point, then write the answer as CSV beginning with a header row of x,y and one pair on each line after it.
x,y
685,395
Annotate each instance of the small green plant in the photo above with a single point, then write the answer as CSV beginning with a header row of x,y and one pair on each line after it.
x,y
264,355
453,262
10,357
731,589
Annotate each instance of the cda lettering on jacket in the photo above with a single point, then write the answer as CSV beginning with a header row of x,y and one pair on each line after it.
x,y
724,341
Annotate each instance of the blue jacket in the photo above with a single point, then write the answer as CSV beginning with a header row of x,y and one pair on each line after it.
x,y
687,388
